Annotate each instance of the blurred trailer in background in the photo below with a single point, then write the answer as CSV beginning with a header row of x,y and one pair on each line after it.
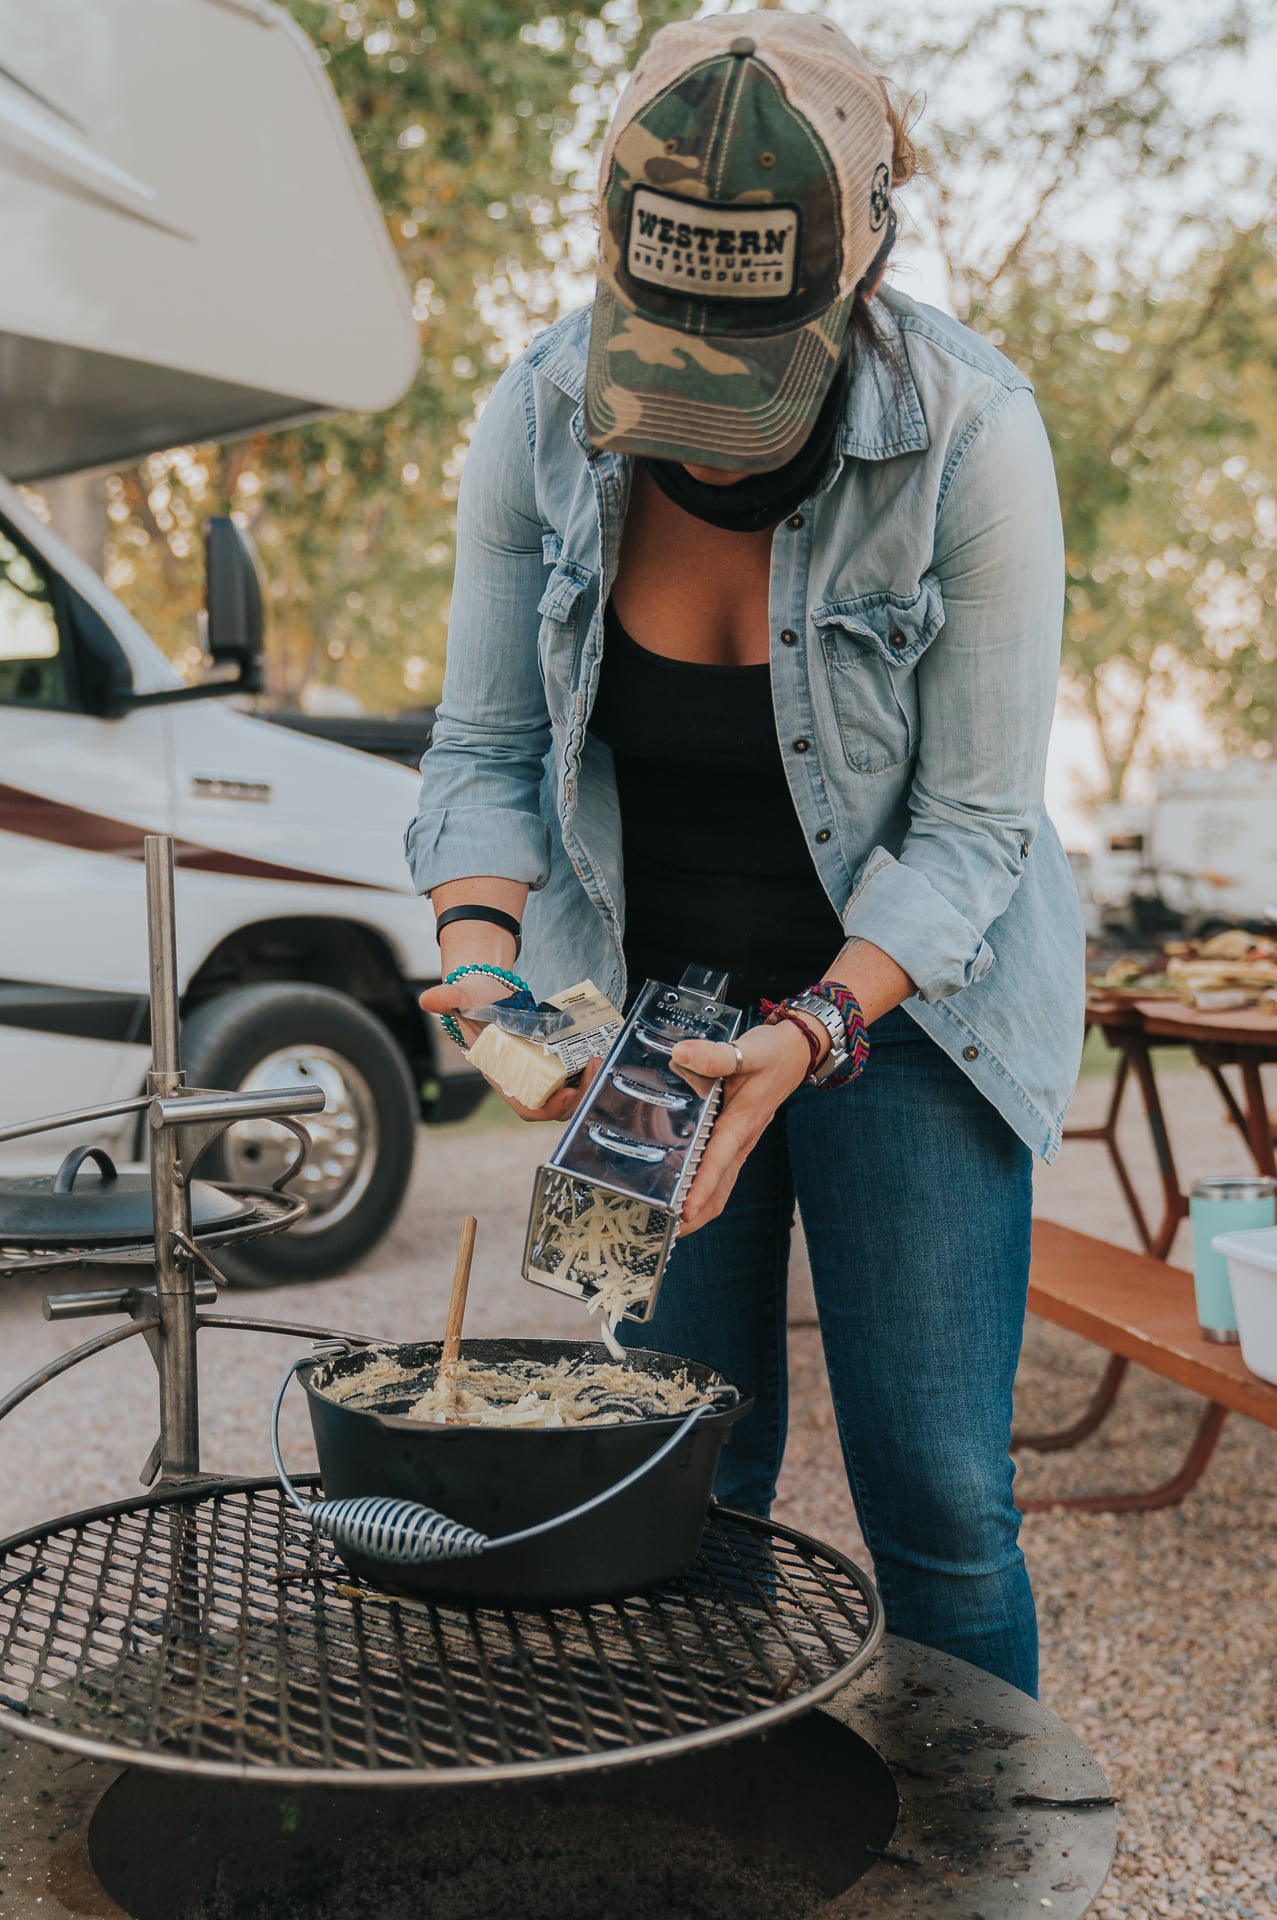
x,y
1200,857
192,251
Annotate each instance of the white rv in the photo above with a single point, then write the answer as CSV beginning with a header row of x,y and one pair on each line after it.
x,y
1200,857
191,250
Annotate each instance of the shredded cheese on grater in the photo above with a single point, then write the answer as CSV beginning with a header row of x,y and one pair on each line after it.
x,y
603,1246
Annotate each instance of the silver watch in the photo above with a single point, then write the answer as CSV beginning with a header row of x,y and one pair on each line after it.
x,y
835,1026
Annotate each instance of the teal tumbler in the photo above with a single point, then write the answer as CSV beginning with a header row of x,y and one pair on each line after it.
x,y
1224,1206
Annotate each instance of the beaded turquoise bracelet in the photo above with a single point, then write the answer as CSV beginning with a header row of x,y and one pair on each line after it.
x,y
450,1026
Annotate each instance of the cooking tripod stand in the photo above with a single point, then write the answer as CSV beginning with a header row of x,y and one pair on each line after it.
x,y
183,1123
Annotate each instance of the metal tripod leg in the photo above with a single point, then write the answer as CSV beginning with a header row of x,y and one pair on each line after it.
x,y
179,1443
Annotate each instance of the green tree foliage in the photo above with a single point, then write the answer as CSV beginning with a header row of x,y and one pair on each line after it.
x,y
1097,221
1149,337
468,115
1163,411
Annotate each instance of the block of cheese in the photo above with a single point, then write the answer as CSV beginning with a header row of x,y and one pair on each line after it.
x,y
524,1070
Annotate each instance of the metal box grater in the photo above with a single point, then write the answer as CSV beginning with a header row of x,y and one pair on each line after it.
x,y
605,1209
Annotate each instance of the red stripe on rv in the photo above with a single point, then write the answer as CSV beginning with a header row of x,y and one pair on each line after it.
x,y
36,817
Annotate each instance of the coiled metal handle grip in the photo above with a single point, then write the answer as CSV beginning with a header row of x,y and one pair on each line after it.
x,y
405,1533
400,1532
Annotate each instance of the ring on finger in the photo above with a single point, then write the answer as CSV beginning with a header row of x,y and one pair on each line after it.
x,y
740,1058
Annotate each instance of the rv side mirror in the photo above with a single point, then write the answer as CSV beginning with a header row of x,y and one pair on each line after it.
x,y
235,603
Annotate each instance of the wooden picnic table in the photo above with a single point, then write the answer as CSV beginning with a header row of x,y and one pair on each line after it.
x,y
1133,1028
1142,1312
1133,1305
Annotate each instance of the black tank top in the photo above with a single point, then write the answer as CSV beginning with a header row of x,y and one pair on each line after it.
x,y
717,868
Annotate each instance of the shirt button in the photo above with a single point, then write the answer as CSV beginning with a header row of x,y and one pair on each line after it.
x,y
801,746
788,638
822,836
897,639
795,521
971,1053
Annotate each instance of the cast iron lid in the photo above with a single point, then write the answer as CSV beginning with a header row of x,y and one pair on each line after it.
x,y
52,1210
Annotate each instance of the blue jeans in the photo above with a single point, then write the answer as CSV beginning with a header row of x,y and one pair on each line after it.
x,y
915,1200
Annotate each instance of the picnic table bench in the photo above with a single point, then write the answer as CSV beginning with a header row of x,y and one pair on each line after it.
x,y
1140,1310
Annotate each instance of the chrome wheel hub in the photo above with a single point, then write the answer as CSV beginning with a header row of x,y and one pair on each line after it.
x,y
344,1137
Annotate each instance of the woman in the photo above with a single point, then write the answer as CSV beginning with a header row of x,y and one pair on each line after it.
x,y
751,664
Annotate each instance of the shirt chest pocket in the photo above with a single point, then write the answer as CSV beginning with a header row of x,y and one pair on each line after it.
x,y
562,611
870,648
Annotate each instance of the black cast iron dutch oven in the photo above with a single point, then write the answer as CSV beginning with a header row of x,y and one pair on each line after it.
x,y
113,1209
501,1479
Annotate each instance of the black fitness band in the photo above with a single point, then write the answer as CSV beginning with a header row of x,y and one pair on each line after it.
x,y
493,916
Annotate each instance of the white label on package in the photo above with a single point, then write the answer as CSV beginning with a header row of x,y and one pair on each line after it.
x,y
595,1025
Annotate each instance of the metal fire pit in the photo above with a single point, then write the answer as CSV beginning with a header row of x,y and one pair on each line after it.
x,y
924,1791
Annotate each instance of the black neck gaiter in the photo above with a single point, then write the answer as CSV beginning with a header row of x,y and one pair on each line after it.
x,y
760,499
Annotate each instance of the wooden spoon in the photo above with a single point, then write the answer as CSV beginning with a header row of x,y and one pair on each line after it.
x,y
457,1305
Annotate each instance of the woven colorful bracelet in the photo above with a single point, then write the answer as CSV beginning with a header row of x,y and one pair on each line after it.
x,y
776,1010
449,1025
857,1032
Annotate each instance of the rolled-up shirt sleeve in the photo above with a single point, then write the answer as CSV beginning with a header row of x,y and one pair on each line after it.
x,y
986,698
479,810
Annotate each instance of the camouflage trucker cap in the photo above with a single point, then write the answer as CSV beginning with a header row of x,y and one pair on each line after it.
x,y
746,188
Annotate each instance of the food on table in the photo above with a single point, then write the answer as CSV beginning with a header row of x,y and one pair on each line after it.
x,y
1233,944
1232,962
1133,973
1233,969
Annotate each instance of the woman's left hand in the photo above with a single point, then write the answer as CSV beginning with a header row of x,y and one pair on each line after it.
x,y
773,1061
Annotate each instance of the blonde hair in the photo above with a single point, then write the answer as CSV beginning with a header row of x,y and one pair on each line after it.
x,y
902,118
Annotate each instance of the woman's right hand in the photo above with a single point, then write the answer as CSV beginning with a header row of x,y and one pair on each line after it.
x,y
484,990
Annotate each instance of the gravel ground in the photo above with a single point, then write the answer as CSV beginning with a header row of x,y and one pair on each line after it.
x,y
1159,1645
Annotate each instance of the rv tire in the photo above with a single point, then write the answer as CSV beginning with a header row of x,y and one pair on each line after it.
x,y
295,1034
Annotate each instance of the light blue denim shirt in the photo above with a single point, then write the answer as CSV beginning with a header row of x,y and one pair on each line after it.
x,y
916,605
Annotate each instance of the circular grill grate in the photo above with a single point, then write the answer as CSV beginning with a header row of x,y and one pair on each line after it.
x,y
214,1632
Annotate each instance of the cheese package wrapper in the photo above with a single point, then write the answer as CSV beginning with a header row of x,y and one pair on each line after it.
x,y
529,1054
593,1024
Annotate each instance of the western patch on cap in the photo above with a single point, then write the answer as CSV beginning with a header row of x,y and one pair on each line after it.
x,y
713,249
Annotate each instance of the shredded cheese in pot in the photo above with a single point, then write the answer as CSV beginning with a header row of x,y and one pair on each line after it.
x,y
526,1393
378,1371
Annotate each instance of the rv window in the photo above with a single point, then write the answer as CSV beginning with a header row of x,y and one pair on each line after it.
x,y
32,664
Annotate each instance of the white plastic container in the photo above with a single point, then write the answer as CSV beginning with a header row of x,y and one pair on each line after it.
x,y
1252,1273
